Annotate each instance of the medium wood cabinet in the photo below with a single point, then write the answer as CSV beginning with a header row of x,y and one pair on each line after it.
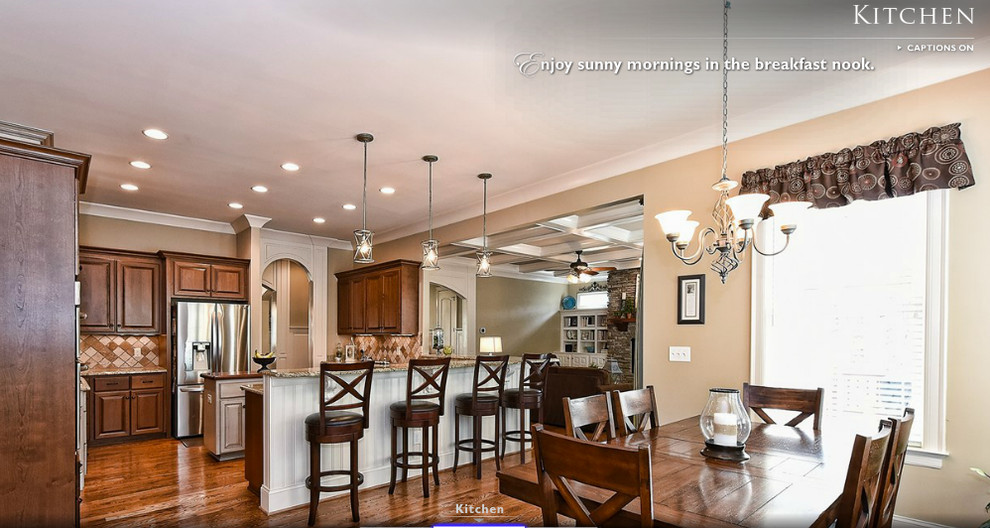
x,y
126,406
202,277
120,292
380,299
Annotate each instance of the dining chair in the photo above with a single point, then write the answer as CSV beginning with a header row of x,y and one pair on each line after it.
x,y
806,402
633,409
562,462
858,504
890,476
596,411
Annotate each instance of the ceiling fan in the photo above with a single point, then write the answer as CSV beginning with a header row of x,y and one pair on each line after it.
x,y
582,272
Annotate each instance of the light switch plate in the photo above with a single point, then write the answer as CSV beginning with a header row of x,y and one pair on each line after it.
x,y
680,353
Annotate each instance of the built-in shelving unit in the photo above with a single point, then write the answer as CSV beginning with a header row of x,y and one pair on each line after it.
x,y
583,331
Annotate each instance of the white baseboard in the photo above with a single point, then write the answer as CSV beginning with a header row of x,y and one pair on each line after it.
x,y
908,522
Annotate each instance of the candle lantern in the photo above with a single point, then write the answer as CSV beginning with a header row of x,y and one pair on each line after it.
x,y
725,425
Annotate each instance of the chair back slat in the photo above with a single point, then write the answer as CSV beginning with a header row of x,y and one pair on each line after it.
x,y
426,380
489,376
890,477
806,402
581,413
857,506
634,409
533,372
562,462
359,388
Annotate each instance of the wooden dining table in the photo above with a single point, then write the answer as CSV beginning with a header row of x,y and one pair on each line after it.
x,y
794,477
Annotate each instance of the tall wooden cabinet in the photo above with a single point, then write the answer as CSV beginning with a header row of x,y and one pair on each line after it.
x,y
379,299
120,292
38,322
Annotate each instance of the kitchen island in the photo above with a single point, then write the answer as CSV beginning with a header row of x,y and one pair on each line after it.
x,y
291,395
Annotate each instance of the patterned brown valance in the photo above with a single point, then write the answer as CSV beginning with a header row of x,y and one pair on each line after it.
x,y
899,166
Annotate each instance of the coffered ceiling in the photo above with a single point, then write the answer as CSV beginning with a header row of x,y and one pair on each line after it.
x,y
242,86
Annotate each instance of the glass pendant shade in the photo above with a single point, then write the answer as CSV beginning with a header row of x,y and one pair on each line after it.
x,y
585,278
431,255
484,263
573,278
672,222
687,232
788,214
725,422
747,206
363,245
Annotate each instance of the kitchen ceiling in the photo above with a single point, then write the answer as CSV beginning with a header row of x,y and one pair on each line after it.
x,y
242,87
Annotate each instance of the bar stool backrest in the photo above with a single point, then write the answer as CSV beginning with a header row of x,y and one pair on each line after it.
x,y
489,376
533,372
359,388
426,380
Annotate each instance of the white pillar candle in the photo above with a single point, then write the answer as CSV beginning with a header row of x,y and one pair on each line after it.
x,y
726,429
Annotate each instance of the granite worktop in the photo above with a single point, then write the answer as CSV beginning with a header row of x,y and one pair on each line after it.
x,y
222,376
314,372
84,385
121,371
254,388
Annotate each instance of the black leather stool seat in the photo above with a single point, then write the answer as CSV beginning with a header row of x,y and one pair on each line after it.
x,y
511,397
415,408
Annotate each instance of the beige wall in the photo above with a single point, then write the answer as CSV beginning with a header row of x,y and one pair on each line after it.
x,y
338,260
141,236
721,347
523,313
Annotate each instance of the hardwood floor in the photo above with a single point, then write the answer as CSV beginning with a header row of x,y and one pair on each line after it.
x,y
163,483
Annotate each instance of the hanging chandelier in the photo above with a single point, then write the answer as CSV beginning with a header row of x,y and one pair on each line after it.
x,y
431,252
363,242
484,256
736,217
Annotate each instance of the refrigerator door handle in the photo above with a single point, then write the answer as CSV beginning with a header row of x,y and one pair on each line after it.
x,y
191,389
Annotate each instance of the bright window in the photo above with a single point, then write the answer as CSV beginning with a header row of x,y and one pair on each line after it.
x,y
854,305
592,300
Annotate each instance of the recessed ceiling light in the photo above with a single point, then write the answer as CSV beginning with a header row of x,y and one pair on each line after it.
x,y
350,207
289,166
138,164
387,190
319,220
154,133
128,187
235,205
259,189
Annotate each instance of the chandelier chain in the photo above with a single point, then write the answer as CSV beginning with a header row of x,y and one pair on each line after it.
x,y
484,218
725,88
431,201
364,193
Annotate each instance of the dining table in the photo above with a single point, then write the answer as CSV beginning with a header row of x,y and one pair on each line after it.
x,y
794,477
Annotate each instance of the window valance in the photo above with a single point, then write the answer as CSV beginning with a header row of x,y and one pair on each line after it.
x,y
899,166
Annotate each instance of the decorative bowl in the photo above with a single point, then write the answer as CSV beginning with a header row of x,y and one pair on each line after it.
x,y
263,361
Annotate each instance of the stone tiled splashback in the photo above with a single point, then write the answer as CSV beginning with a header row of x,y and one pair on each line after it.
x,y
118,351
395,349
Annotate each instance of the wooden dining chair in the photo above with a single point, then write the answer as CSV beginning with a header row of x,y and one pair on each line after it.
x,y
633,409
596,411
890,476
806,402
858,504
562,462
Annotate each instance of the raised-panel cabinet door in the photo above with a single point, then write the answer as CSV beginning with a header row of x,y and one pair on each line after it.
x,y
391,309
232,425
191,279
357,306
343,306
147,411
138,296
96,300
229,281
111,414
373,303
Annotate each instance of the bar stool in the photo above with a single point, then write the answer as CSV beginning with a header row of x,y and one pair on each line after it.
x,y
482,401
418,412
529,396
337,423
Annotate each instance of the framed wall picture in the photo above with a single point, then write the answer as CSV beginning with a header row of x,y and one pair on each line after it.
x,y
691,299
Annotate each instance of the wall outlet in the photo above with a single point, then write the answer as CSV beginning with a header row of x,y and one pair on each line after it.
x,y
680,353
137,352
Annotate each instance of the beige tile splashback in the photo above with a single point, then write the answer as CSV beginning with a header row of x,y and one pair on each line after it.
x,y
119,351
395,349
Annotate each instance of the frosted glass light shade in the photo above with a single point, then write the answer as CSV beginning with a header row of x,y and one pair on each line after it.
x,y
585,277
788,214
687,232
363,246
747,206
431,255
491,345
484,263
671,222
573,278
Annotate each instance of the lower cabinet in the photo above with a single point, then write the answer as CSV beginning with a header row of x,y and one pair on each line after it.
x,y
123,407
223,418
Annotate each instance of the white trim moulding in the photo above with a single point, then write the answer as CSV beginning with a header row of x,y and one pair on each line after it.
x,y
152,217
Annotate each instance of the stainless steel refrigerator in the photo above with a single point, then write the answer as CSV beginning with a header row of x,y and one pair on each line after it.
x,y
208,337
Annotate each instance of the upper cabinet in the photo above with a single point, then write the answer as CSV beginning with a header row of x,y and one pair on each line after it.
x,y
120,292
380,299
197,276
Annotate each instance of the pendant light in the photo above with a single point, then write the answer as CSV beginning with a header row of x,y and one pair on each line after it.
x,y
484,256
363,242
431,252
